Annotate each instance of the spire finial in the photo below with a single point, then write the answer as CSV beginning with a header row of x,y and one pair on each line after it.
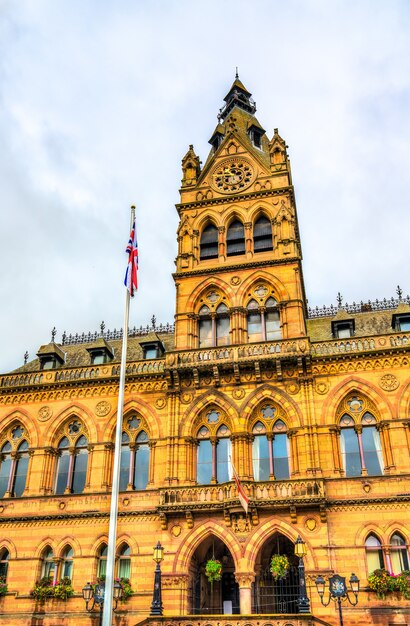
x,y
236,73
339,299
399,292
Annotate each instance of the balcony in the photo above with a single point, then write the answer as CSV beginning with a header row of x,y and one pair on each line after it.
x,y
270,494
237,354
360,344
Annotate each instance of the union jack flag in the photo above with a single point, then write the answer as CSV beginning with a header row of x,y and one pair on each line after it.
x,y
131,281
243,498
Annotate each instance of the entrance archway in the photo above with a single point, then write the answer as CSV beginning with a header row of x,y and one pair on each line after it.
x,y
220,597
269,594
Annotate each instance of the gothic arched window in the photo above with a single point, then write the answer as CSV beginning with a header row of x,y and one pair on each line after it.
x,y
235,239
67,563
14,458
124,562
48,566
209,243
263,321
213,461
262,235
72,460
374,554
360,445
4,562
270,450
135,455
102,560
213,327
399,556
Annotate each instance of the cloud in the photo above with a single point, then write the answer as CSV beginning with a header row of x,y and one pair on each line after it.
x,y
100,100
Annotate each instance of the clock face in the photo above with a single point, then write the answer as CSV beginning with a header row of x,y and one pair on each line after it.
x,y
232,175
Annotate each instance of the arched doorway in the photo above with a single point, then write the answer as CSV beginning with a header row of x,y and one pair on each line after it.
x,y
220,597
269,594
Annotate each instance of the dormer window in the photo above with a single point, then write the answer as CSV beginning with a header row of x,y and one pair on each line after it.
x,y
256,137
152,349
401,323
343,329
98,357
100,352
48,363
50,356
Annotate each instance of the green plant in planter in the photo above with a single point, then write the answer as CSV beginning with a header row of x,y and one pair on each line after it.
x,y
403,584
63,589
3,586
279,566
43,589
213,570
126,588
381,582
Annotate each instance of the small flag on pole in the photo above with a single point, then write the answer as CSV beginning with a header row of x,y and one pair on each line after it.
x,y
243,498
131,281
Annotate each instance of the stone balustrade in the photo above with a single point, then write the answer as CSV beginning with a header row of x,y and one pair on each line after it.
x,y
273,492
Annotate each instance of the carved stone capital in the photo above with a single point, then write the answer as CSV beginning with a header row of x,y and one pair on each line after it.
x,y
245,579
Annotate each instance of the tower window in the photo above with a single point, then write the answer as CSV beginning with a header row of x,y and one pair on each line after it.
x,y
262,235
235,239
135,457
213,456
209,243
263,321
213,329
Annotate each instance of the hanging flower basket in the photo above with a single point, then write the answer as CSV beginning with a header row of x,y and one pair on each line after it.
x,y
279,566
213,570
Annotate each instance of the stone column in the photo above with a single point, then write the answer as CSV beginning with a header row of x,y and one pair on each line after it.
x,y
245,580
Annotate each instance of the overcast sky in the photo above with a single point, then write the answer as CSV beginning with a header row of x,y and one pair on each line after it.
x,y
99,100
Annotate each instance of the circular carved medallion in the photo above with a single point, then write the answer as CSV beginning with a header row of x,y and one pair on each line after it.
x,y
44,413
389,382
160,403
186,398
292,388
322,388
238,393
102,408
232,175
235,280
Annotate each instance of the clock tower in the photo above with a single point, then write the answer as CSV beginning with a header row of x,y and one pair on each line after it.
x,y
238,270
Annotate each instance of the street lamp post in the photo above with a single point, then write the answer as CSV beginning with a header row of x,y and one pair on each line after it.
x,y
338,591
303,600
96,594
156,605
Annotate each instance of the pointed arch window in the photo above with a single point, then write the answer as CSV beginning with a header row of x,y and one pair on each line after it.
x,y
213,461
48,566
209,243
4,562
360,446
72,460
135,456
213,328
67,563
14,458
270,452
263,321
262,235
235,239
102,561
374,554
124,562
399,556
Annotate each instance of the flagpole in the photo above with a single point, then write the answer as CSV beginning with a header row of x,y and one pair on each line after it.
x,y
112,533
